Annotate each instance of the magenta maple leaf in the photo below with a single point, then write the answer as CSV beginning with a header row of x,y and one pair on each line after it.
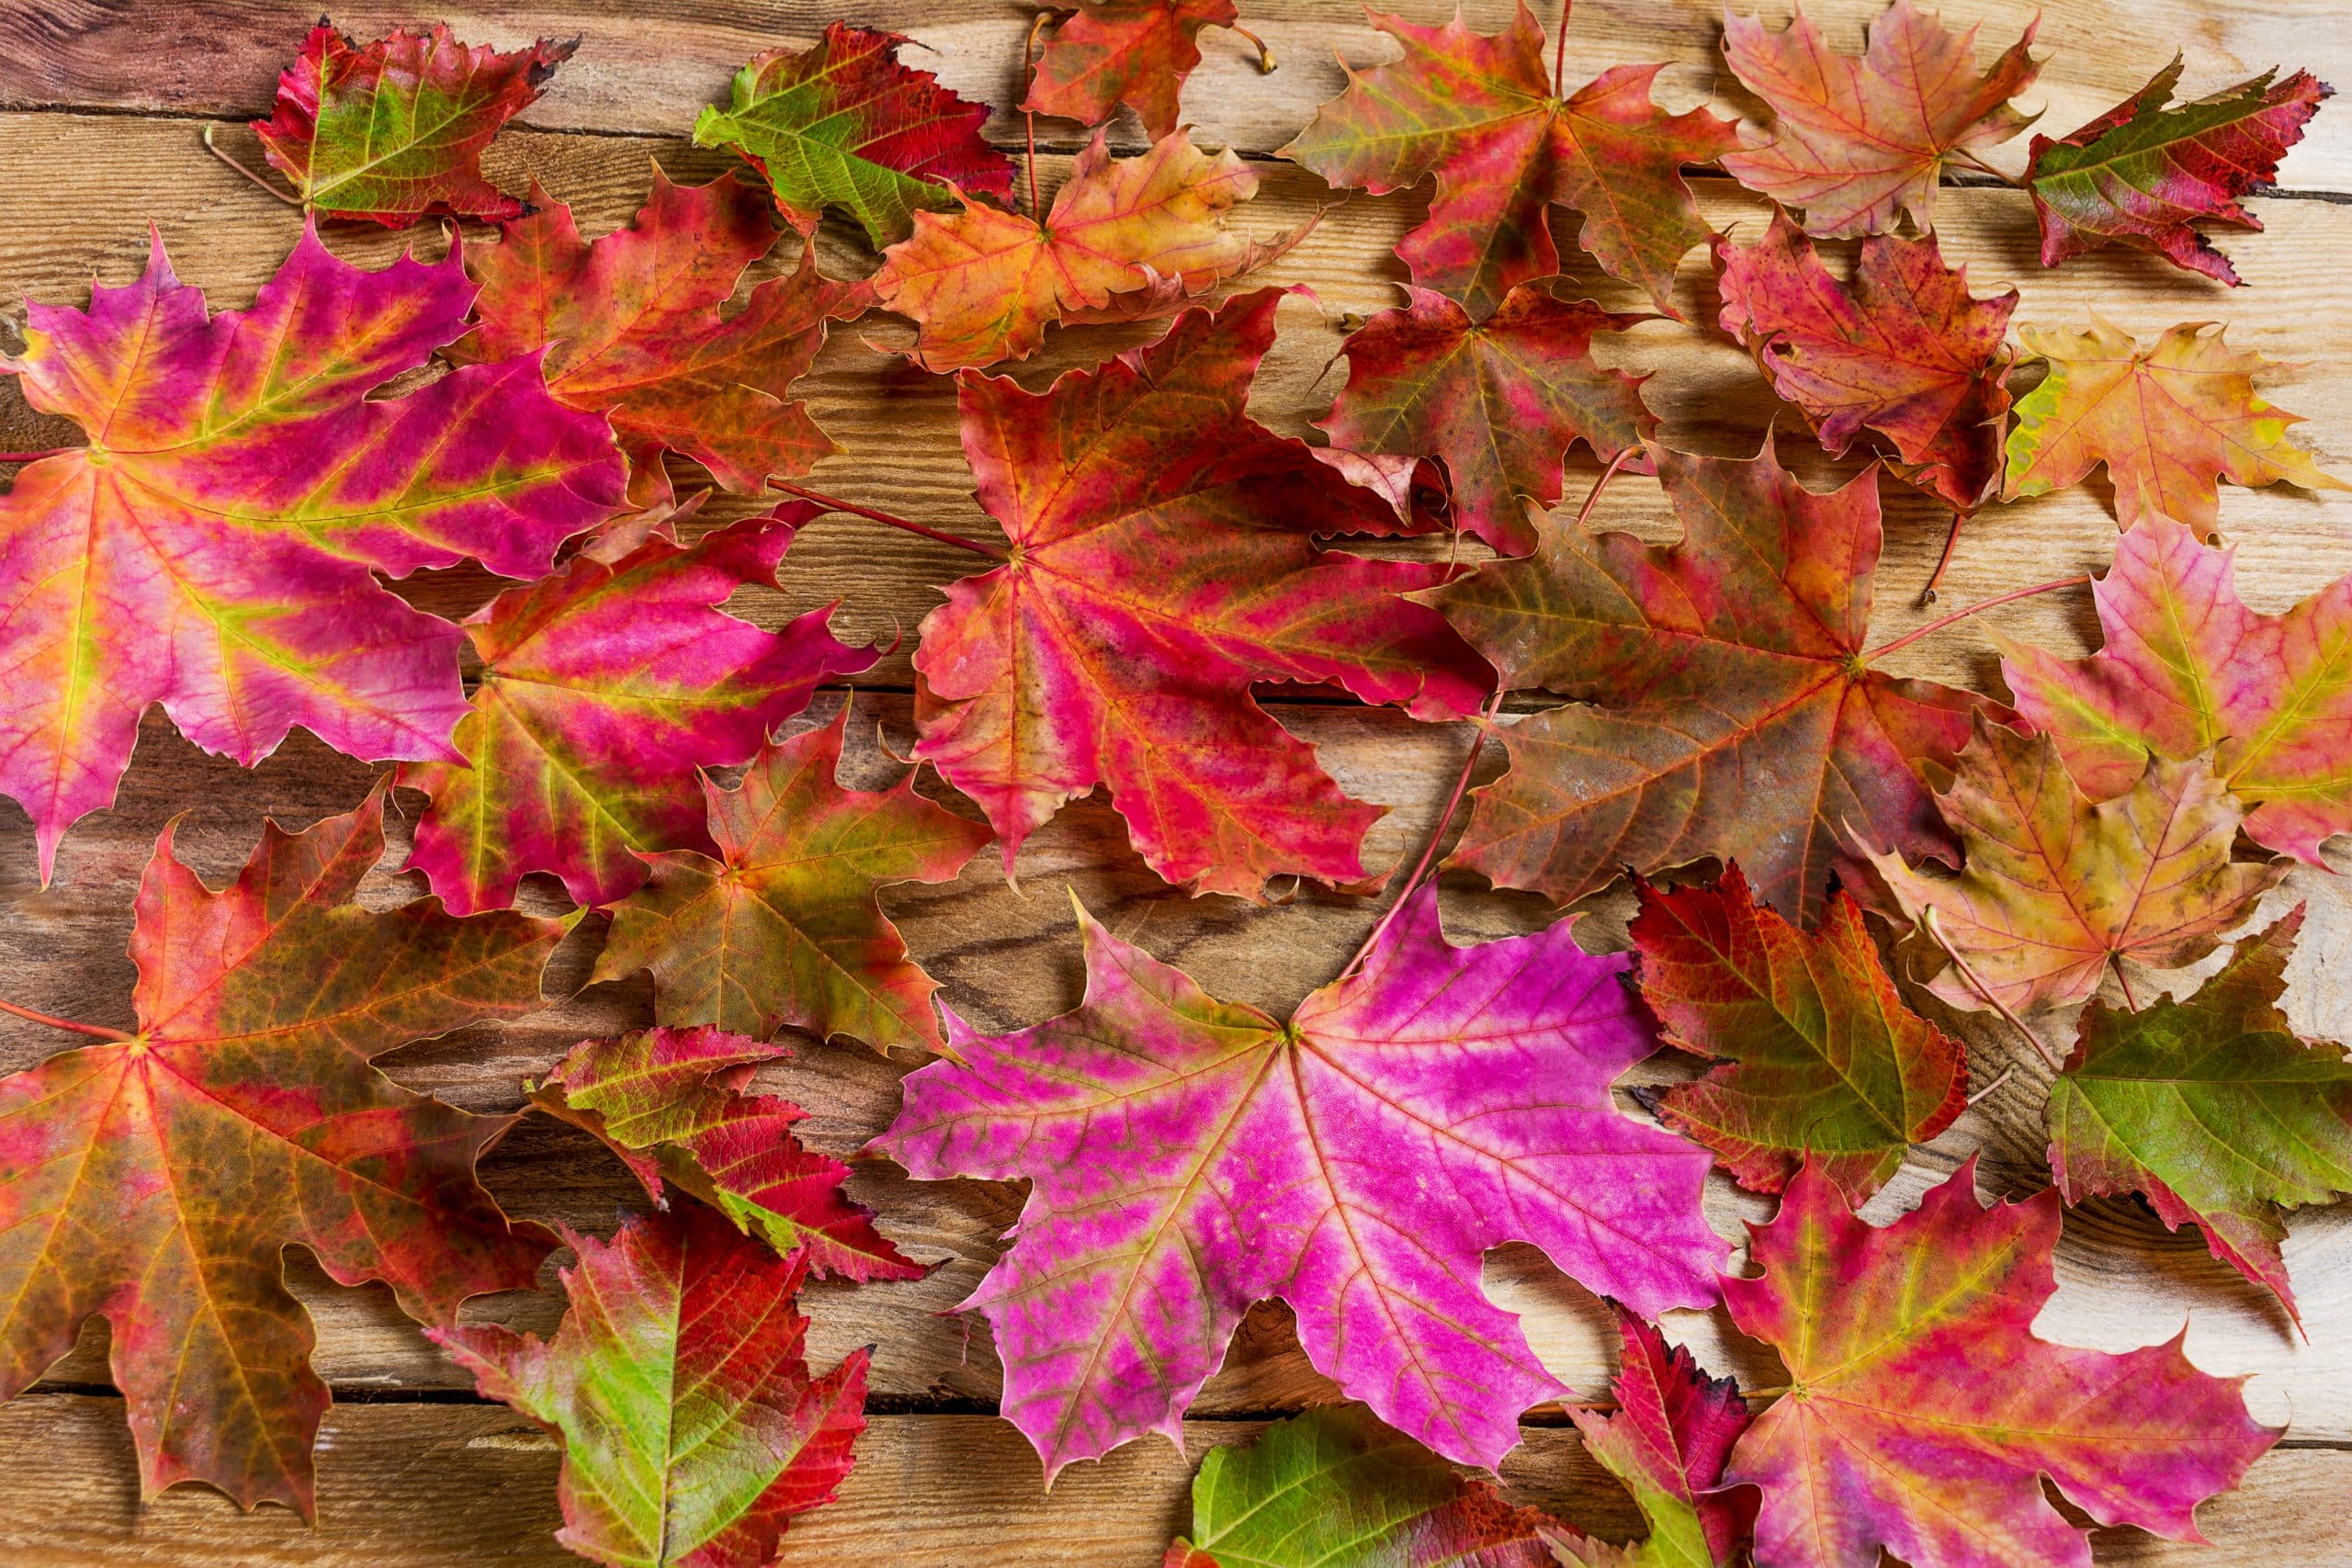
x,y
1189,1157
213,547
604,689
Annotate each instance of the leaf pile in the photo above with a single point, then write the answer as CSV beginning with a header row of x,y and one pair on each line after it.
x,y
1814,839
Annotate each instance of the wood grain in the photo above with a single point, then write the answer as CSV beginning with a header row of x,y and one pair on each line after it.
x,y
98,104
928,1492
647,68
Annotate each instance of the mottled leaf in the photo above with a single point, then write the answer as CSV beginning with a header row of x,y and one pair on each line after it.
x,y
1165,561
213,549
2211,1109
783,926
679,1383
632,329
157,1180
2058,890
1821,1057
1334,1488
2143,174
670,1103
2168,422
843,125
1499,400
1480,114
1189,1157
395,130
1907,351
603,689
1125,238
1723,705
1858,141
1107,53
1667,1441
2188,668
1924,1415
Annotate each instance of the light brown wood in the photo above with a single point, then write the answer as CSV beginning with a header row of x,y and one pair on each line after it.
x,y
98,136
928,1492
649,68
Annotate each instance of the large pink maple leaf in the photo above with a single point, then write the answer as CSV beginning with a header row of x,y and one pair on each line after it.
x,y
213,547
1189,1157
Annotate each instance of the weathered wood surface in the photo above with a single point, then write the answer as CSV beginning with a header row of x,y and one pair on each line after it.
x,y
96,137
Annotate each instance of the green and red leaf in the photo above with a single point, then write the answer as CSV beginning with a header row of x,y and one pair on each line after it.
x,y
679,1383
395,130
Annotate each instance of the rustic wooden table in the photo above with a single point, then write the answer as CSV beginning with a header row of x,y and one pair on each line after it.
x,y
101,102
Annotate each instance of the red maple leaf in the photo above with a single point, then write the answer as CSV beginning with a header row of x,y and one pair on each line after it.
x,y
1164,560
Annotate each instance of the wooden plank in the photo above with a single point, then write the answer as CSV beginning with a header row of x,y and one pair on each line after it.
x,y
73,180
1008,957
649,68
928,1492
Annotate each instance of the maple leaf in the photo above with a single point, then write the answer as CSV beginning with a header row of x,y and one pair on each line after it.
x,y
1738,715
679,1383
670,1103
211,550
155,1179
1499,400
1858,142
1673,1429
2168,422
1125,239
1924,1414
1189,1157
1165,560
2143,174
632,329
395,130
843,125
1907,351
2057,889
2187,670
1107,53
603,689
783,927
2211,1109
1479,113
1822,1056
1334,1488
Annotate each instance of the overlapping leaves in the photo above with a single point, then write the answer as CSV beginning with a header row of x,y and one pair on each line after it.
x,y
155,1179
2187,670
1189,1157
1165,560
1924,1414
693,1431
1725,706
213,547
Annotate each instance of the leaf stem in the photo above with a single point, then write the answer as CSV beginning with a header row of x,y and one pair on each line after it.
x,y
1907,638
264,185
95,1031
1560,49
1265,51
1987,1092
1766,1393
35,457
1936,932
1592,496
2123,984
834,503
1028,68
1486,720
2012,182
1951,541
